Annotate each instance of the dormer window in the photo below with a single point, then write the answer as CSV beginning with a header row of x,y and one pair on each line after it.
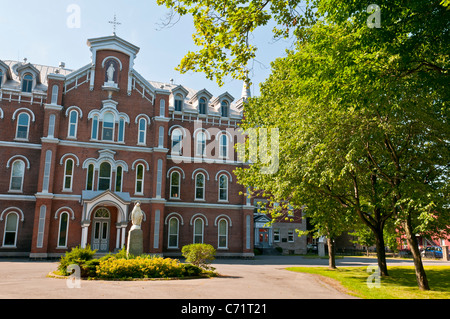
x,y
202,106
178,102
224,109
1,78
27,83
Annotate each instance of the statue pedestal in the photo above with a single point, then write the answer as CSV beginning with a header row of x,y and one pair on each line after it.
x,y
135,244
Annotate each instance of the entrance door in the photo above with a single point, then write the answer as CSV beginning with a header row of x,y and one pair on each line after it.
x,y
100,231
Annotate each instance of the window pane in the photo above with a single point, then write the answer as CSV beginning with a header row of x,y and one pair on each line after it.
x,y
63,230
121,130
104,177
175,185
11,223
119,179
90,178
94,127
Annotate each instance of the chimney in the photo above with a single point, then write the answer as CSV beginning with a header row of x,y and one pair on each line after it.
x,y
62,64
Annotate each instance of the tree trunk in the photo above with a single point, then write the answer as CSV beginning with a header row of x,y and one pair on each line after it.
x,y
421,277
331,253
381,254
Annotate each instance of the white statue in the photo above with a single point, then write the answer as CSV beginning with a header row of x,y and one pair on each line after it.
x,y
110,73
136,216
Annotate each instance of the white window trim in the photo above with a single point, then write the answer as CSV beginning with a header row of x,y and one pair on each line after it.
x,y
59,230
113,128
74,136
203,188
202,230
16,230
218,233
169,234
142,180
17,128
139,142
11,176
227,187
179,185
65,175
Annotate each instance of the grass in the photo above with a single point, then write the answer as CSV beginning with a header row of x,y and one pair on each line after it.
x,y
400,284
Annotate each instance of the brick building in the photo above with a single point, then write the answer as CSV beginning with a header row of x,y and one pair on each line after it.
x,y
80,147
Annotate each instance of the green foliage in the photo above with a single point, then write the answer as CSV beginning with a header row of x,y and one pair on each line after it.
x,y
79,256
200,255
123,266
144,267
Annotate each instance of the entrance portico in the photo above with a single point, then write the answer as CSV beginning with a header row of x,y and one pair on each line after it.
x,y
98,210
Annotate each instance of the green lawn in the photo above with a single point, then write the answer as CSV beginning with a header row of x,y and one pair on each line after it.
x,y
400,284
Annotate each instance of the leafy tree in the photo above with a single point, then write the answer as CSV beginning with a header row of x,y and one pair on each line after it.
x,y
362,112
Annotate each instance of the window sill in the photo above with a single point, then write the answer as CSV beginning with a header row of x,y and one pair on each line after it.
x,y
18,139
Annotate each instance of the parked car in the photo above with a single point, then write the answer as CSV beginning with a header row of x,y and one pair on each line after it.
x,y
432,252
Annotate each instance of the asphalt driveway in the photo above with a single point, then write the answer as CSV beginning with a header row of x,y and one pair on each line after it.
x,y
264,277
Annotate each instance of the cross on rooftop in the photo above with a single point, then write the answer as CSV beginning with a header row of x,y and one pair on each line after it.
x,y
115,24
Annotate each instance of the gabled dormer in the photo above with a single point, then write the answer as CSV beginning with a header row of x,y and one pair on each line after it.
x,y
5,73
178,97
29,77
200,100
222,104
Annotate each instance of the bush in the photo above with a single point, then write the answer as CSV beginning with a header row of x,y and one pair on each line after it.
x,y
144,267
200,255
79,256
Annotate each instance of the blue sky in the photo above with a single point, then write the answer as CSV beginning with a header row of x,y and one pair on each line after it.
x,y
38,31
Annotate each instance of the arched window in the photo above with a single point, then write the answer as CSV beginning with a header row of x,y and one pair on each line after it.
x,y
161,137
200,186
23,125
94,133
202,106
177,138
73,124
223,187
17,175
119,178
223,146
175,185
51,125
198,231
201,144
27,83
142,131
139,179
178,102
173,233
224,109
68,175
121,135
162,108
108,127
55,90
90,178
104,177
10,233
222,241
63,229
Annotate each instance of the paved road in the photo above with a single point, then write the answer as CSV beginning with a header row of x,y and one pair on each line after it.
x,y
261,278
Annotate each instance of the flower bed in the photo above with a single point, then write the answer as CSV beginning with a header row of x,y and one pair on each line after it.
x,y
121,266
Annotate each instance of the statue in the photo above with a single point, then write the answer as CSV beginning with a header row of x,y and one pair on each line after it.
x,y
110,72
135,244
136,216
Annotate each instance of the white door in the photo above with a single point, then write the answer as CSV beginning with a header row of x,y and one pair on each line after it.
x,y
100,231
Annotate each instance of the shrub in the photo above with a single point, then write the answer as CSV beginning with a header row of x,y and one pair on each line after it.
x,y
79,256
144,267
200,255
